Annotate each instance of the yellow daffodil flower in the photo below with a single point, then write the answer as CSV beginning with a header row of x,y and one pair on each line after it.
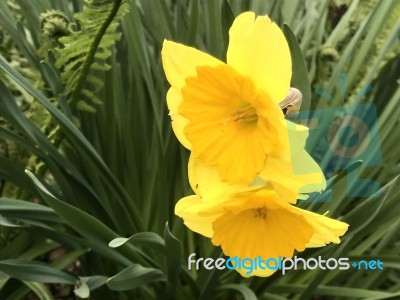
x,y
255,221
229,112
248,165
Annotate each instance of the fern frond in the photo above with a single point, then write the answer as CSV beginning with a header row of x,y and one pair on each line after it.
x,y
86,50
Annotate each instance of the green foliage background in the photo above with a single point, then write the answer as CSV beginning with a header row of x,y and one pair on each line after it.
x,y
82,108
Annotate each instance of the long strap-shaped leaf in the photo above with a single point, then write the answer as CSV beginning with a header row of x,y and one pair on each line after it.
x,y
130,213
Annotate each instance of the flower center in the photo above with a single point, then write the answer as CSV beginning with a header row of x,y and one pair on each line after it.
x,y
244,114
260,212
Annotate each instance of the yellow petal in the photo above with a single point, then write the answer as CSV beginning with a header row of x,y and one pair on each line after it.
x,y
309,173
290,184
297,136
306,170
326,230
260,224
188,209
258,49
250,234
206,183
257,272
174,99
180,61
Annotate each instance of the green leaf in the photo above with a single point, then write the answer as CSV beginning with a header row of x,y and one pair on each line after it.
x,y
247,293
88,226
227,17
337,291
81,221
81,289
173,249
13,208
385,297
3,279
371,207
10,110
39,289
69,258
300,78
95,281
14,173
8,223
146,238
35,271
117,242
133,277
122,203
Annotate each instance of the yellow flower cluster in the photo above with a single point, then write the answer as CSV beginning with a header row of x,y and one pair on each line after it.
x,y
248,164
